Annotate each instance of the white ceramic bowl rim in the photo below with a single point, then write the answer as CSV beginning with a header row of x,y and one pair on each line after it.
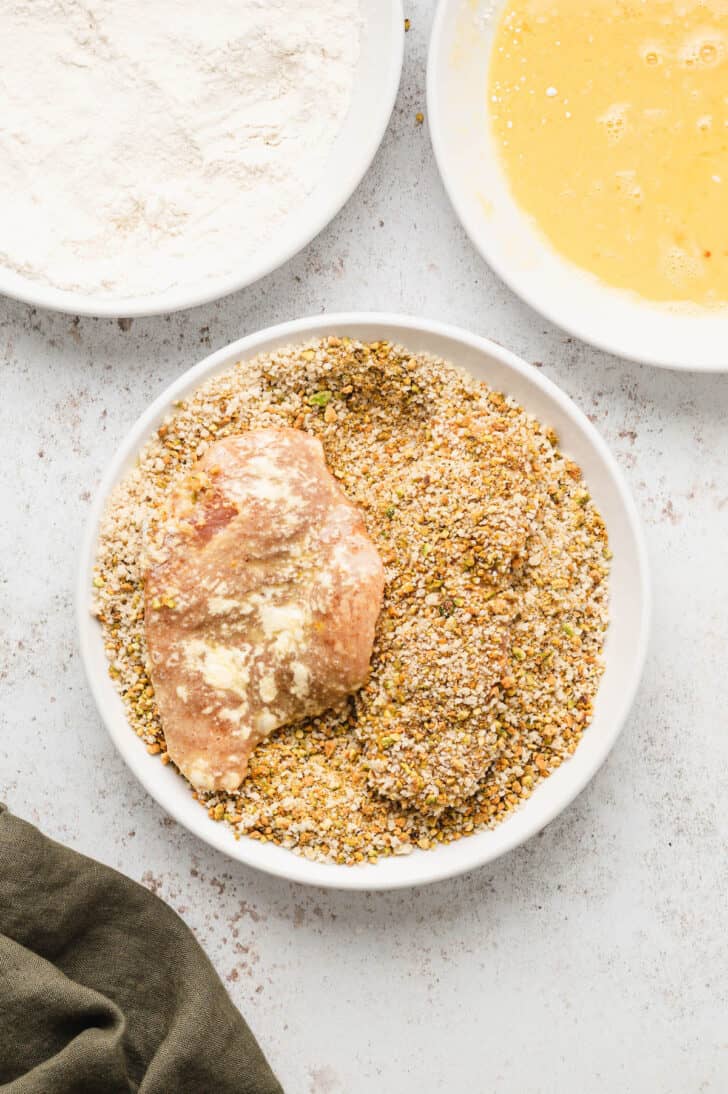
x,y
316,211
612,320
420,867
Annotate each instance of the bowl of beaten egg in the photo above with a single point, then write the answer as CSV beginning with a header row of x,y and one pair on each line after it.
x,y
584,146
627,605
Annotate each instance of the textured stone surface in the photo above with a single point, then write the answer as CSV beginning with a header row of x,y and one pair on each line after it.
x,y
591,960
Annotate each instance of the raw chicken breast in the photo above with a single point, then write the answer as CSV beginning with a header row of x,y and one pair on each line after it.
x,y
262,590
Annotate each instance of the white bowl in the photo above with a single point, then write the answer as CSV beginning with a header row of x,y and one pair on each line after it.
x,y
626,639
375,89
620,322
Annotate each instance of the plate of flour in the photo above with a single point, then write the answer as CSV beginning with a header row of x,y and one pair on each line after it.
x,y
165,155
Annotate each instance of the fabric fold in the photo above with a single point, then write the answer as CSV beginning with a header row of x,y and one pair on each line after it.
x,y
103,989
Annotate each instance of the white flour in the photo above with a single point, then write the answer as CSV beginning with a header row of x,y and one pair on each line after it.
x,y
146,144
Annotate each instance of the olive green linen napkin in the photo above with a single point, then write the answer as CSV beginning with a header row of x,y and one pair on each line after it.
x,y
103,989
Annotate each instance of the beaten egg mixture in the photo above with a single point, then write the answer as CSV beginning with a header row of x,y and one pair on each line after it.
x,y
612,123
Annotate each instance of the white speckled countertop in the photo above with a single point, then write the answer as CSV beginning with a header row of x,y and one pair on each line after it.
x,y
590,961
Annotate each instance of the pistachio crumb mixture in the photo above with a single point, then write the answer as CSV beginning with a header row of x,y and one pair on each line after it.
x,y
487,656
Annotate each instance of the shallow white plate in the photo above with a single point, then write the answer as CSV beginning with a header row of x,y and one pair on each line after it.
x,y
375,89
616,321
627,636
